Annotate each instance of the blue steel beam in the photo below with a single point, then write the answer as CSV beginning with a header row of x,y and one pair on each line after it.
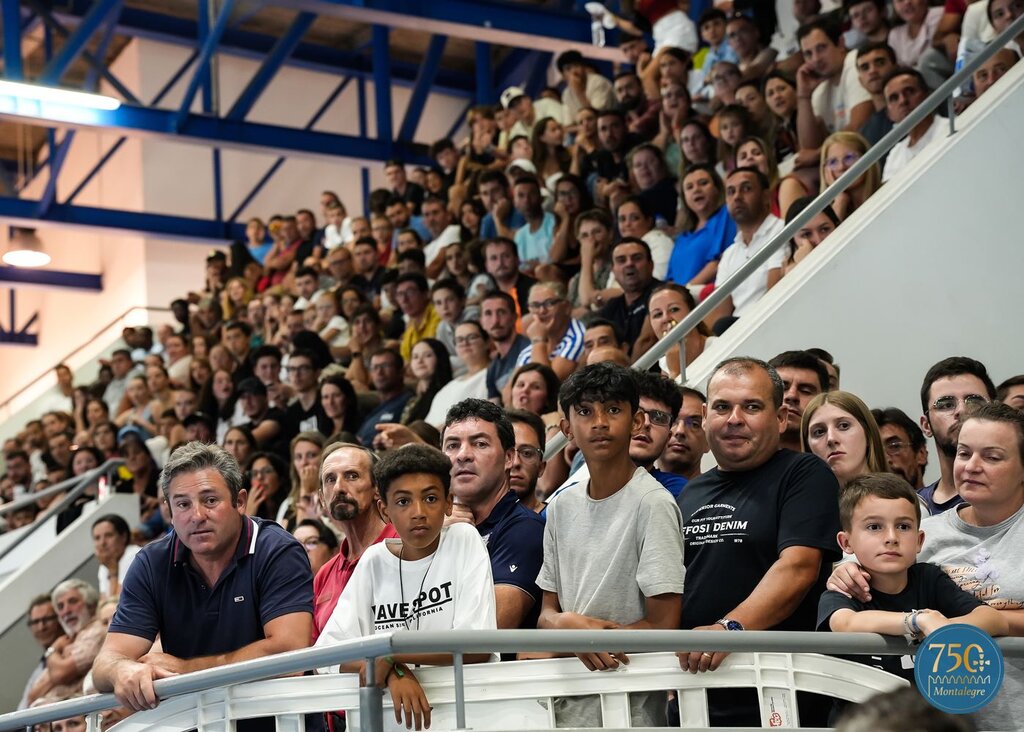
x,y
21,212
51,278
209,47
75,43
420,92
280,161
12,40
382,84
256,46
284,48
214,132
56,162
484,73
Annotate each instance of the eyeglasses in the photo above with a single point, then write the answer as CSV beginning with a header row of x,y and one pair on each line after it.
x,y
263,472
545,304
846,161
466,340
949,403
657,417
42,620
691,423
529,454
311,543
894,446
304,368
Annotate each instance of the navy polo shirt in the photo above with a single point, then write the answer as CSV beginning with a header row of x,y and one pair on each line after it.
x,y
514,536
163,594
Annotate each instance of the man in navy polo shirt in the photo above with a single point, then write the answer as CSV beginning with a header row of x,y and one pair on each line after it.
x,y
480,441
222,587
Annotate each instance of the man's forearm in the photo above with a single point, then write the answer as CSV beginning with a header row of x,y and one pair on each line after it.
x,y
778,593
104,670
259,649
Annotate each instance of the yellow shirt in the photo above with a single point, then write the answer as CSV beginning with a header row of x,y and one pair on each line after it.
x,y
427,328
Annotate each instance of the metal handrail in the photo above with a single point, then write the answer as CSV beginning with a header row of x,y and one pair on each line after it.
x,y
80,483
874,154
460,642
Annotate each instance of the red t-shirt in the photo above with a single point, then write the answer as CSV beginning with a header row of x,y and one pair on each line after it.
x,y
331,580
956,6
655,10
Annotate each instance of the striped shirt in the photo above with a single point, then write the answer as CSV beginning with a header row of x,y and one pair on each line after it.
x,y
570,347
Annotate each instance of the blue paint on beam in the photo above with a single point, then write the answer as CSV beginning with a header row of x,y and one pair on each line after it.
x,y
209,47
51,278
382,86
57,159
420,93
284,48
484,73
13,69
75,44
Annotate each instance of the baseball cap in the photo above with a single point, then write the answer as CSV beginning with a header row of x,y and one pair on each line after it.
x,y
510,95
131,430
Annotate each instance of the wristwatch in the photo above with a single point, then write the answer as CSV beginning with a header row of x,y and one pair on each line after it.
x,y
729,624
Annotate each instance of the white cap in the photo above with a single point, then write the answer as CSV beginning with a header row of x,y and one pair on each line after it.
x,y
510,95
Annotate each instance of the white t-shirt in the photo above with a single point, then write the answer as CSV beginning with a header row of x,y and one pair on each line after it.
x,y
450,590
737,254
832,102
103,574
454,392
903,152
339,324
448,236
908,50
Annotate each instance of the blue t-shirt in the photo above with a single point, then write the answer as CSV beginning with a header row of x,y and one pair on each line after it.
x,y
389,411
514,536
673,482
928,496
535,245
489,230
694,249
269,576
260,253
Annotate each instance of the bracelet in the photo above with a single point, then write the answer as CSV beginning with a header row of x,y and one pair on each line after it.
x,y
913,622
538,341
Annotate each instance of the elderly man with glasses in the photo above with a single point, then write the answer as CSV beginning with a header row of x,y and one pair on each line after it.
x,y
45,627
556,338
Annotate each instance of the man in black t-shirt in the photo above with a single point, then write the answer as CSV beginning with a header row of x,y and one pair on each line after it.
x,y
759,530
633,269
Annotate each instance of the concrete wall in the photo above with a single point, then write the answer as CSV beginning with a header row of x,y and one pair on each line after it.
x,y
175,178
928,268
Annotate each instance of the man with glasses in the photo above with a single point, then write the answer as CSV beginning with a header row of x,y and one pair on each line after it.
x,y
481,442
904,91
687,443
305,413
45,628
906,452
387,369
528,461
556,338
412,295
949,387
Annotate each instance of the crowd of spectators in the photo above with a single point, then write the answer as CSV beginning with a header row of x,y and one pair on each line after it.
x,y
571,229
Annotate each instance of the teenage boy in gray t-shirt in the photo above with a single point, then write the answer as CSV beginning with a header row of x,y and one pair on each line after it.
x,y
613,547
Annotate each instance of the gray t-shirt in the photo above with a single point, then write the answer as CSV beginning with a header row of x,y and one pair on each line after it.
x,y
985,561
603,558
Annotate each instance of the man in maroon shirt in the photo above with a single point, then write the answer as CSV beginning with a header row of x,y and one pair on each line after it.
x,y
348,490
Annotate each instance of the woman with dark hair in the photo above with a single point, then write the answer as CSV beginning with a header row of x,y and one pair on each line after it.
x,y
697,145
779,93
218,399
669,304
707,228
104,438
94,411
239,443
340,405
431,366
810,234
636,220
111,539
676,109
366,339
571,198
319,542
471,213
652,182
199,373
268,485
139,475
535,389
83,459
550,155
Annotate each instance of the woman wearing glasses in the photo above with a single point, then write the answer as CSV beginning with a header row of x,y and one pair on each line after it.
x,y
838,154
267,476
838,427
473,348
319,542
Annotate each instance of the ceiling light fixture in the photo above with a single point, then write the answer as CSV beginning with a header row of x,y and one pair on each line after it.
x,y
25,249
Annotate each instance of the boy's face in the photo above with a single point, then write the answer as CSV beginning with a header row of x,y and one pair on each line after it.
x,y
713,31
602,429
884,534
416,505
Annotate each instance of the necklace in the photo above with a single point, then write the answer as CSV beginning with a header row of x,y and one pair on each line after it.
x,y
419,593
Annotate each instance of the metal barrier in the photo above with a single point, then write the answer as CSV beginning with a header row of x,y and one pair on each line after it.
x,y
77,485
874,154
370,703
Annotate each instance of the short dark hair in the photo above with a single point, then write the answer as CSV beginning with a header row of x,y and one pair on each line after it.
x,y
709,15
449,283
896,417
802,360
305,353
415,255
121,527
531,420
762,179
597,322
394,163
490,176
744,364
326,536
659,388
572,56
826,25
612,112
16,454
1003,389
394,353
499,241
696,393
872,46
366,241
955,366
440,146
599,382
417,279
503,296
487,412
307,272
415,235
239,325
880,485
193,457
634,240
410,460
265,351
803,202
907,71
847,4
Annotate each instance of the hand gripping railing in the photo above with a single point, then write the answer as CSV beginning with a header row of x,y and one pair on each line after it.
x,y
874,154
459,643
77,486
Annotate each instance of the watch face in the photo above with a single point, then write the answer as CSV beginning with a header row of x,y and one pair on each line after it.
x,y
733,625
